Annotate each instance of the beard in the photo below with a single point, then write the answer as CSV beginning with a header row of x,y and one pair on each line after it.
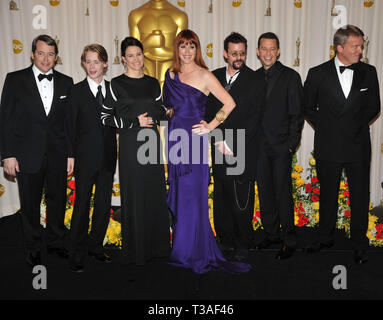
x,y
238,64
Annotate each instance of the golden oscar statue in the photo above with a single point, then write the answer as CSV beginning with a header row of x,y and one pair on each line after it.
x,y
156,24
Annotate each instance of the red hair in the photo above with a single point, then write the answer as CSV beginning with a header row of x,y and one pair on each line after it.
x,y
184,37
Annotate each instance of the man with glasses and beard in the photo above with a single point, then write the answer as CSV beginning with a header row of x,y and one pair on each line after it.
x,y
234,194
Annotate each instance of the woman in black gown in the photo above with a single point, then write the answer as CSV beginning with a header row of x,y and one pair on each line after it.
x,y
136,109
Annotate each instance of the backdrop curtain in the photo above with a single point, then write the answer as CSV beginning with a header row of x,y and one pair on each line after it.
x,y
76,23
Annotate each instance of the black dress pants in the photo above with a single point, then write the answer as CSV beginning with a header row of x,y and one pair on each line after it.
x,y
31,185
80,241
233,208
358,177
275,195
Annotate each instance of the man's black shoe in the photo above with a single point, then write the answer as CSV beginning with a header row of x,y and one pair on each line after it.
x,y
285,253
265,243
101,257
241,255
360,256
315,247
77,268
61,252
225,248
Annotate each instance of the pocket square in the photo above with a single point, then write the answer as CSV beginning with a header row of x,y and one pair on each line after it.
x,y
62,97
364,89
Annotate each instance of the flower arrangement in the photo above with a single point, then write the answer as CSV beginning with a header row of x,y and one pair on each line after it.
x,y
306,196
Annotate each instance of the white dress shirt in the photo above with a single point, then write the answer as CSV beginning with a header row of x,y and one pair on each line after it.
x,y
45,89
233,78
345,78
93,85
230,79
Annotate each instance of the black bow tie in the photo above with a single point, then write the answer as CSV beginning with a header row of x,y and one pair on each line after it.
x,y
48,76
342,68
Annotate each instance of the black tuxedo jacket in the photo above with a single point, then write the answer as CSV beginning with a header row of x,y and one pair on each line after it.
x,y
341,125
27,133
282,114
248,92
94,145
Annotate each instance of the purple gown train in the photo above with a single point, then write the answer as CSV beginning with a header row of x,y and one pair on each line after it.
x,y
194,245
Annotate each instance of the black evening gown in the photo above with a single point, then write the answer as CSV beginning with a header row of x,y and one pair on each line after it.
x,y
144,212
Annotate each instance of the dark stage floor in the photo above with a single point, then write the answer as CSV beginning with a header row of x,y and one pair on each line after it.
x,y
300,277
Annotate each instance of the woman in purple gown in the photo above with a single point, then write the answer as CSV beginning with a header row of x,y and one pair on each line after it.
x,y
186,88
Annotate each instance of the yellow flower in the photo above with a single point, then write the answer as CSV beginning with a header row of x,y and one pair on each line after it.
x,y
300,182
316,206
295,175
116,189
312,162
298,168
210,188
68,216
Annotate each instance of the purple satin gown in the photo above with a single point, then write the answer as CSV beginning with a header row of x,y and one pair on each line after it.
x,y
194,245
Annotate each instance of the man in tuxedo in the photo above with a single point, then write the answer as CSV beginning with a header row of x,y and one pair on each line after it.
x,y
279,137
95,150
36,146
341,100
234,194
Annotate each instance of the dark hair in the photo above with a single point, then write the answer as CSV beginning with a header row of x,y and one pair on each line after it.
x,y
99,49
47,39
187,36
130,42
268,35
234,37
341,35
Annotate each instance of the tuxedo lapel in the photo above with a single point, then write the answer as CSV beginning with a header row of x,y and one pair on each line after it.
x,y
335,83
222,77
93,103
270,88
355,88
34,91
56,92
335,88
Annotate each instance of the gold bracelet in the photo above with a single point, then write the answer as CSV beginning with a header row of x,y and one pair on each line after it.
x,y
220,116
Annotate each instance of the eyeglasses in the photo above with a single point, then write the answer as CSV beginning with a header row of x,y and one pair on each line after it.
x,y
236,54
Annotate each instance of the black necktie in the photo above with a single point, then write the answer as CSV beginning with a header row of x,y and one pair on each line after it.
x,y
342,68
47,76
99,97
228,85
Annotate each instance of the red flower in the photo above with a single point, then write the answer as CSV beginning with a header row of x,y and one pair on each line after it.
x,y
71,184
315,198
72,197
314,180
346,193
309,188
316,190
347,214
302,221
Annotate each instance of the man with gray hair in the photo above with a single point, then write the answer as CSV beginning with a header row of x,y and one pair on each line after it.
x,y
341,99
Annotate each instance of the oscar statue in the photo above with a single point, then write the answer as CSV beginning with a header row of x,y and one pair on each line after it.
x,y
156,24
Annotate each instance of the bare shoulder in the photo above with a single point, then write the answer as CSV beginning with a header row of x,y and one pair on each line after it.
x,y
206,76
171,73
